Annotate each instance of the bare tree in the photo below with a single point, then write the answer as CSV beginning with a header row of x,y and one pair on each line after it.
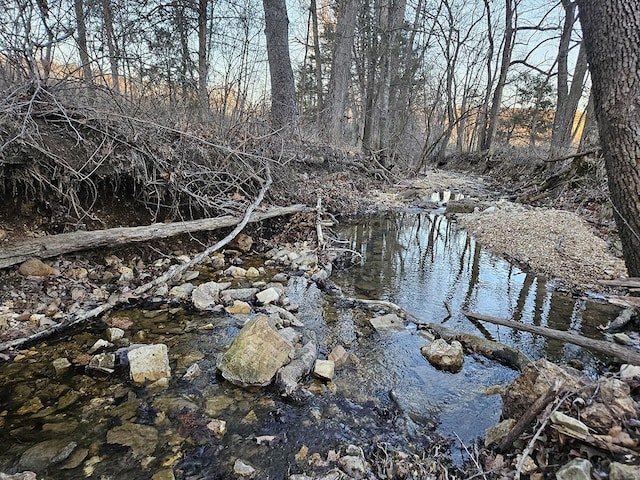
x,y
283,91
614,61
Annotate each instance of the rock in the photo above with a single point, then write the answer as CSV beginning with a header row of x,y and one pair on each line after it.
x,y
242,242
100,344
619,471
238,308
569,426
324,369
290,375
207,294
214,406
33,405
61,365
19,476
622,339
142,439
442,355
235,272
466,205
291,335
280,278
252,272
534,382
182,291
217,427
387,322
576,469
612,404
126,274
103,361
164,474
189,275
149,362
39,457
270,295
243,294
243,469
498,431
629,371
255,355
35,268
354,466
339,356
114,333
286,316
192,372
75,459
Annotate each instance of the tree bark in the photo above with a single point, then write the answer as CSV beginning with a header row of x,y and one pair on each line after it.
x,y
81,39
283,91
313,9
112,48
52,246
626,354
203,95
612,39
340,73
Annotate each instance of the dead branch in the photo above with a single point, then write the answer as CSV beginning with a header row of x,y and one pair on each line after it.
x,y
54,245
529,416
124,297
624,354
574,155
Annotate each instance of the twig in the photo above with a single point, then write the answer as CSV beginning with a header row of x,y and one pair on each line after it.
x,y
574,155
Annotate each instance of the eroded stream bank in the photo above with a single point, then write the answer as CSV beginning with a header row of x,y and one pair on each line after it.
x,y
93,422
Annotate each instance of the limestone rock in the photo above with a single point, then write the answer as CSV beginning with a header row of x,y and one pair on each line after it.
x,y
243,294
243,469
114,333
290,375
149,362
252,272
192,372
629,371
270,295
339,356
387,322
239,308
442,355
576,469
39,457
619,471
497,432
236,272
324,369
207,294
35,268
217,427
242,242
612,404
142,439
255,355
61,365
182,291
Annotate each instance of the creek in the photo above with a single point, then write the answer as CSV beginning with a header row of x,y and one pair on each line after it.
x,y
387,394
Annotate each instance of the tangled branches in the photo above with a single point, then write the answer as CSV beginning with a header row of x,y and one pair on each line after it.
x,y
76,157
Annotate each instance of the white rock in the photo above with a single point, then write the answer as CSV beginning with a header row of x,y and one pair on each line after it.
x,y
324,369
207,294
192,372
114,333
149,362
576,469
61,365
442,355
99,345
629,371
243,469
182,291
387,322
270,295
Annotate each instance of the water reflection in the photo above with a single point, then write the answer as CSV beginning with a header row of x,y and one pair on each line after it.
x,y
422,262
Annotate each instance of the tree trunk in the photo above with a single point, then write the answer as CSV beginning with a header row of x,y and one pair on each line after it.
x,y
283,91
340,73
562,122
112,48
203,95
313,9
507,49
81,39
613,51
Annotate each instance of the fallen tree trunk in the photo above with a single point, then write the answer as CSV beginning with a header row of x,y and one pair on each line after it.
x,y
625,354
54,245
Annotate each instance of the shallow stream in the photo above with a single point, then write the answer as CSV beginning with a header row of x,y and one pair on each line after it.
x,y
388,394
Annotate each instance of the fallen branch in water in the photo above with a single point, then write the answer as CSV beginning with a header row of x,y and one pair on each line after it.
x,y
625,354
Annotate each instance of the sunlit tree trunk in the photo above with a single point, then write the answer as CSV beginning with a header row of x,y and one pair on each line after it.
x,y
283,91
81,39
340,79
611,39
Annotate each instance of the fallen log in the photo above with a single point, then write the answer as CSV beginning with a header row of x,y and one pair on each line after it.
x,y
631,282
625,354
54,245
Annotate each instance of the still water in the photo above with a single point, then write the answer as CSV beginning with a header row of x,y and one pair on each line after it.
x,y
387,394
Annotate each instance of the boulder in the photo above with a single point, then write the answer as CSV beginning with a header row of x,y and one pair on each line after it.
x,y
255,355
149,362
207,294
388,322
442,355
